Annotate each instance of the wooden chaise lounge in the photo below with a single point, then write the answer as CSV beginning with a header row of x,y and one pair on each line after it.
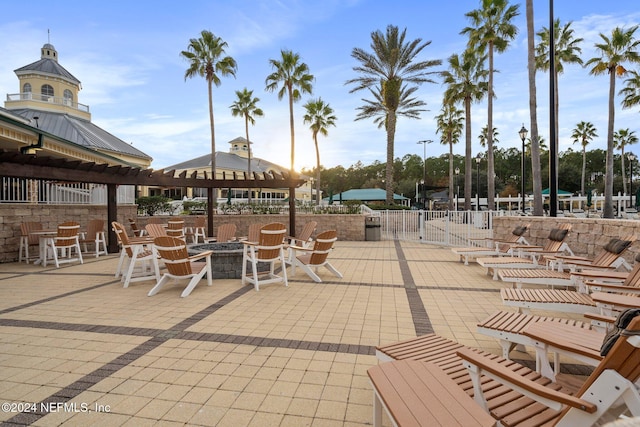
x,y
511,393
530,256
493,247
610,258
624,294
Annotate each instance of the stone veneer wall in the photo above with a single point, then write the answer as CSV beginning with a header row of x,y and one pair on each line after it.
x,y
587,235
349,227
12,214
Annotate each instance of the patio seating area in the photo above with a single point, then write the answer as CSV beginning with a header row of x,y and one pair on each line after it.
x,y
93,352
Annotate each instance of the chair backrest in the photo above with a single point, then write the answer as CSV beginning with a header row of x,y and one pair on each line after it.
x,y
253,234
307,231
226,232
175,228
156,230
67,233
622,358
322,246
517,233
271,241
134,227
556,238
26,228
174,253
633,279
121,233
94,227
613,250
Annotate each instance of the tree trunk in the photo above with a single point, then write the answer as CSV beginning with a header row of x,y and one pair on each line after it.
x,y
584,169
608,184
246,130
291,126
490,163
391,132
536,178
450,172
467,154
315,140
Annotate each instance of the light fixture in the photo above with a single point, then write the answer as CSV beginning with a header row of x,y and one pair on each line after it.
x,y
33,148
523,136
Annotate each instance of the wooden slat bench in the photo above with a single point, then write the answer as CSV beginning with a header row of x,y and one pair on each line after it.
x,y
415,393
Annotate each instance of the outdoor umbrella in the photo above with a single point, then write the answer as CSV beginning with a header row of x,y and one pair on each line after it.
x,y
638,198
589,197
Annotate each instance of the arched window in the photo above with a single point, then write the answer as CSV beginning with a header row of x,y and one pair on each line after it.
x,y
68,97
47,92
26,91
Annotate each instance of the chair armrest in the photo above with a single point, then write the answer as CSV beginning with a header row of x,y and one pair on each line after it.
x,y
599,317
300,248
544,395
625,301
572,258
520,246
611,287
201,255
604,274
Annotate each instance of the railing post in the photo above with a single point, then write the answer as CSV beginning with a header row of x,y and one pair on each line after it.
x,y
421,225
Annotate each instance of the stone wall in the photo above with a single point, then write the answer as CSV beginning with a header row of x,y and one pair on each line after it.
x,y
587,235
12,214
349,227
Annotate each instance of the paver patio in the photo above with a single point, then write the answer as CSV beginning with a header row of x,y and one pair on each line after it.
x,y
75,343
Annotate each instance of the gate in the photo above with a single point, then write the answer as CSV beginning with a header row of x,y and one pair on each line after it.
x,y
447,228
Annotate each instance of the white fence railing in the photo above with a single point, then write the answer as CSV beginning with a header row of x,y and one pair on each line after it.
x,y
18,190
448,228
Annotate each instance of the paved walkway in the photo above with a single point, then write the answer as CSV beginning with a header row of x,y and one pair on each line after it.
x,y
81,350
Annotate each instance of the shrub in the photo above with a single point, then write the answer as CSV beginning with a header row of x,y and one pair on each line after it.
x,y
152,204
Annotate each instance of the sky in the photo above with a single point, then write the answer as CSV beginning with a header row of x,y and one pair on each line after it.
x,y
127,56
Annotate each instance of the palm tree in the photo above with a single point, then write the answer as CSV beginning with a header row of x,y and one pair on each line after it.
x,y
566,51
491,29
295,79
450,122
465,80
386,72
631,91
206,59
319,116
621,139
536,178
584,133
246,106
614,51
484,138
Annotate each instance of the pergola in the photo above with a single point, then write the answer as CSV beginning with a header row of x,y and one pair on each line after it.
x,y
16,165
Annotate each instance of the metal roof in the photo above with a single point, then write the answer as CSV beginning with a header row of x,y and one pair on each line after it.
x,y
228,161
365,194
80,131
47,66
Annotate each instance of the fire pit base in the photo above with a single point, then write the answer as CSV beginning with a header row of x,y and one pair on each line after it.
x,y
226,262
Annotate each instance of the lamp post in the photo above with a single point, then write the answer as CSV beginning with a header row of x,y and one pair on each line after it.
x,y
457,172
523,136
631,158
478,159
424,143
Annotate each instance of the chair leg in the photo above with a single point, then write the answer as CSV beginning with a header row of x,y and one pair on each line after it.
x,y
158,285
332,269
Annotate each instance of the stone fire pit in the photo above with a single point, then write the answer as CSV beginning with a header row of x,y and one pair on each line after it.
x,y
226,262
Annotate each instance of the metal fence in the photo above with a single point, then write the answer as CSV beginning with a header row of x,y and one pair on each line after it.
x,y
19,190
448,228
